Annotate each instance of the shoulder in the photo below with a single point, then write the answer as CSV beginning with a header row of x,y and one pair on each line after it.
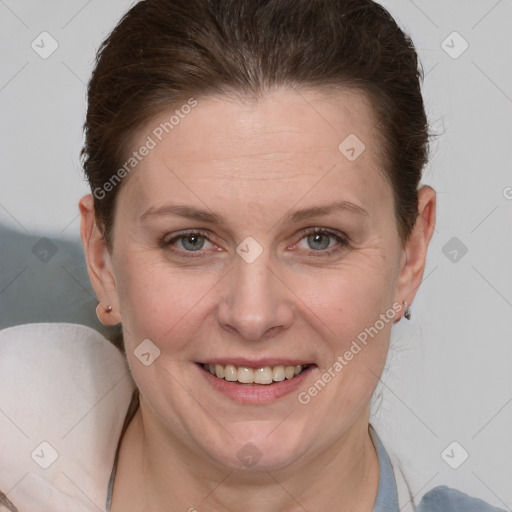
x,y
62,339
53,359
64,394
444,499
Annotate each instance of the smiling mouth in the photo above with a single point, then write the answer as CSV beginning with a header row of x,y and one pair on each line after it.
x,y
243,375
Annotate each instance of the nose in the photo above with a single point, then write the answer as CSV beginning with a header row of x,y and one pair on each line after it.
x,y
255,303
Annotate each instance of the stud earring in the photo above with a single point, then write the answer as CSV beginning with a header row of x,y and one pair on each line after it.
x,y
107,309
407,312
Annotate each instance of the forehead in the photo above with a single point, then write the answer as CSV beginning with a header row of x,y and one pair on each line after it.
x,y
300,121
294,139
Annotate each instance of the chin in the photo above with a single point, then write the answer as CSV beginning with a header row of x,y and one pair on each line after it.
x,y
259,446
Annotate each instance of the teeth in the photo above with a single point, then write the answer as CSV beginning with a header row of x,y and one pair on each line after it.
x,y
289,372
278,373
245,375
265,375
230,373
219,371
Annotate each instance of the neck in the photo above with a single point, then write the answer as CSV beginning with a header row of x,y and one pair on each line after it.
x,y
157,472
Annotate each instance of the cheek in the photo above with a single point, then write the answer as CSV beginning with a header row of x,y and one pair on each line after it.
x,y
349,298
354,312
352,307
161,303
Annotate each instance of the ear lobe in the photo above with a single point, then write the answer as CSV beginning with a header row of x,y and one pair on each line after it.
x,y
415,250
99,264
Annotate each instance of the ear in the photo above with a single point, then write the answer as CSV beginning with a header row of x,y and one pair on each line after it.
x,y
415,250
99,264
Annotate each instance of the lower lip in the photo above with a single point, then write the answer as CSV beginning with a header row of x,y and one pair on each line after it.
x,y
255,393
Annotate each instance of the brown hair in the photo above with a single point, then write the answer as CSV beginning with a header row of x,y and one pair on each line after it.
x,y
162,52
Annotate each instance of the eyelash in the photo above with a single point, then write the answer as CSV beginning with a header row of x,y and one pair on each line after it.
x,y
341,238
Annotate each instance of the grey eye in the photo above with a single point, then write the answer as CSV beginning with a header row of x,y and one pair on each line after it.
x,y
318,241
193,242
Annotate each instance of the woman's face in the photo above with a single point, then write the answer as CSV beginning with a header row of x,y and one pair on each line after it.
x,y
249,237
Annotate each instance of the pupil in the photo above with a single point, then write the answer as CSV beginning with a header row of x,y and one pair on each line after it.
x,y
318,241
193,242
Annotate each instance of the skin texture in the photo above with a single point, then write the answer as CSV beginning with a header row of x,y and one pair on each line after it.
x,y
254,163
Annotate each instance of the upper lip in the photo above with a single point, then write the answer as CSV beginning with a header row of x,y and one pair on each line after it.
x,y
256,363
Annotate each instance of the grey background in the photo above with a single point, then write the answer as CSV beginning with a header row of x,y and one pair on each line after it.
x,y
449,376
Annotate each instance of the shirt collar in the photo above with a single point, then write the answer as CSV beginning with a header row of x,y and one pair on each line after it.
x,y
387,496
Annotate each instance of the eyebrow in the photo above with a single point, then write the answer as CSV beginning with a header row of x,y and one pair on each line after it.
x,y
188,212
319,211
203,215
